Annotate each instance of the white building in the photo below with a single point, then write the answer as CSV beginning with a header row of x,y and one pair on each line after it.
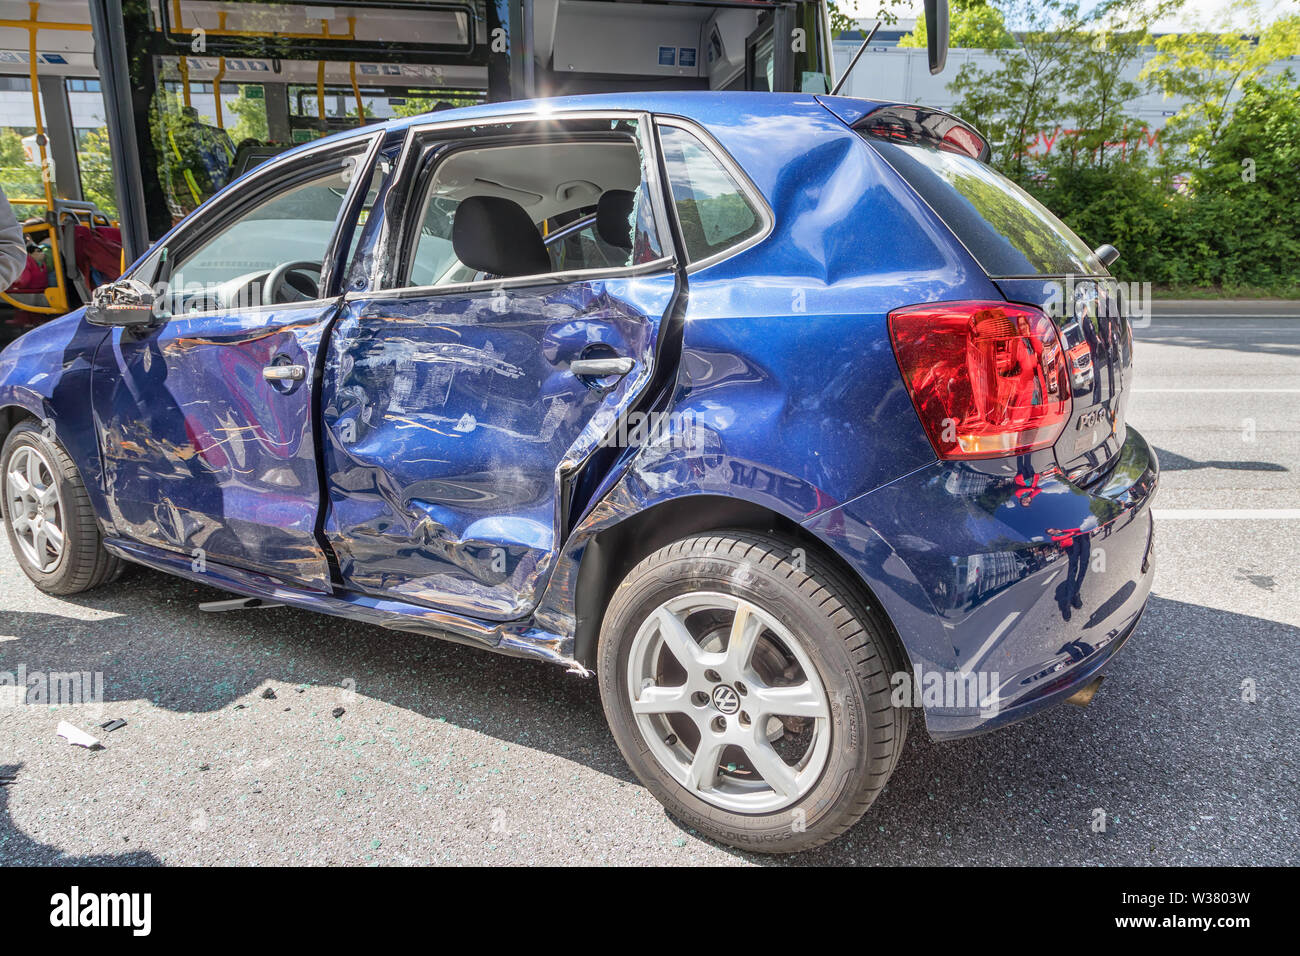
x,y
888,72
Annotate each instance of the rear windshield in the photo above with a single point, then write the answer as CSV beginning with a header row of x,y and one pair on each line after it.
x,y
1008,231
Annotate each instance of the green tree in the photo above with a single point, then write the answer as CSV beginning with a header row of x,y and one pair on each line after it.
x,y
1095,95
250,117
1218,205
18,179
11,148
96,161
840,21
1065,68
886,12
415,105
1243,224
972,25
1210,70
1012,102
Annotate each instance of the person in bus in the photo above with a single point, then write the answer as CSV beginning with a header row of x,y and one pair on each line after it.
x,y
13,248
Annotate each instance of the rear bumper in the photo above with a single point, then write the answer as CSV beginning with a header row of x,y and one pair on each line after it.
x,y
1059,678
1009,590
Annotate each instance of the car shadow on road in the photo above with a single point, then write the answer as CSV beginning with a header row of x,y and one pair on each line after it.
x,y
1162,739
1172,461
1185,748
15,845
151,642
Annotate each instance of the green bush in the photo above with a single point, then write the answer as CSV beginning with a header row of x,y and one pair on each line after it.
x,y
1218,205
1127,204
1243,216
1234,224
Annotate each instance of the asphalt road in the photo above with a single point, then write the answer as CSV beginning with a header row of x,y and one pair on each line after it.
x,y
445,754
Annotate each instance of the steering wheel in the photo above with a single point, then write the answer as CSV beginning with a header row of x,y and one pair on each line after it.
x,y
290,282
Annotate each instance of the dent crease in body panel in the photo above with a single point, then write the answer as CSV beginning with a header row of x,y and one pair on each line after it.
x,y
448,434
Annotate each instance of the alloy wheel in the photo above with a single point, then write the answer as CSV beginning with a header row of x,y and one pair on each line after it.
x,y
35,508
729,702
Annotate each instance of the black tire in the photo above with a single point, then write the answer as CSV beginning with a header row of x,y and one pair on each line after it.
x,y
83,563
847,643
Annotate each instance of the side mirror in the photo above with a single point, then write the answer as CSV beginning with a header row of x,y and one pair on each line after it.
x,y
128,303
1106,253
936,33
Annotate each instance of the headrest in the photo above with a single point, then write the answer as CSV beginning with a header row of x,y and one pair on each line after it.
x,y
494,235
614,217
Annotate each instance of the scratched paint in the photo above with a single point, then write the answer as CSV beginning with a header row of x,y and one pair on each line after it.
x,y
201,452
447,419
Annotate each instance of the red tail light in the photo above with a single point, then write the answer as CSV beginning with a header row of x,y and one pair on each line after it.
x,y
988,379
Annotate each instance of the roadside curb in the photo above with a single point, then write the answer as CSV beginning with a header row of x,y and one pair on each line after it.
x,y
1228,308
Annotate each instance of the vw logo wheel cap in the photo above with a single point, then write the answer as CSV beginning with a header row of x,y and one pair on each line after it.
x,y
726,699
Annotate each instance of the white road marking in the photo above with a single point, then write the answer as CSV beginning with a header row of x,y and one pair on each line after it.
x,y
1227,514
1219,391
1154,326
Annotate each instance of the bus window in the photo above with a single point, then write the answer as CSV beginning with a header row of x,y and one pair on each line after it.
x,y
93,151
230,83
219,86
587,46
20,171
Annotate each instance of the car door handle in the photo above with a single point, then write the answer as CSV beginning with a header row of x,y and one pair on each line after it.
x,y
284,373
600,367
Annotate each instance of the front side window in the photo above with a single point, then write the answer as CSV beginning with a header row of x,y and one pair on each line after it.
x,y
712,209
291,228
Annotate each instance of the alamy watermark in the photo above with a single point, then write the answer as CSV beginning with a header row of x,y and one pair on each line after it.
x,y
133,911
52,689
666,429
949,690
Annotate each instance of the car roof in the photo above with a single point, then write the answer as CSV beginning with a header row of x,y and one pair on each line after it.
x,y
699,105
702,106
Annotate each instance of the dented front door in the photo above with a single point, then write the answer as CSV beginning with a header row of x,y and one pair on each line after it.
x,y
202,453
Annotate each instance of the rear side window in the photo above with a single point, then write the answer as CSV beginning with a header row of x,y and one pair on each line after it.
x,y
534,183
712,208
1008,231
434,255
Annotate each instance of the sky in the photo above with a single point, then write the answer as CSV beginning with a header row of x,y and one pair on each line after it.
x,y
1202,14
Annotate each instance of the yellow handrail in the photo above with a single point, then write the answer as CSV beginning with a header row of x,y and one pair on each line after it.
x,y
47,25
57,295
216,91
177,29
356,91
320,93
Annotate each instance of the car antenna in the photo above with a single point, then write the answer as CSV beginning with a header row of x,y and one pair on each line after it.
x,y
857,56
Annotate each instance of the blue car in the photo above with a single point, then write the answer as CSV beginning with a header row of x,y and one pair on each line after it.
x,y
756,406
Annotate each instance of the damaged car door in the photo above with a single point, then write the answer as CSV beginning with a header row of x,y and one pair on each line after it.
x,y
204,417
462,394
